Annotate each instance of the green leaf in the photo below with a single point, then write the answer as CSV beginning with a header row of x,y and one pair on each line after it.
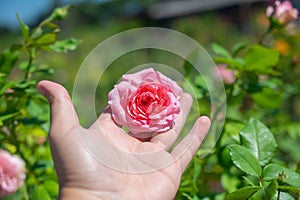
x,y
197,171
249,181
51,25
229,183
59,13
7,61
36,108
244,160
287,188
16,47
46,39
24,85
284,196
261,59
188,67
224,157
65,45
285,175
243,193
8,116
250,82
238,47
268,98
37,32
18,195
51,187
189,87
189,197
24,28
45,71
266,192
290,145
219,50
232,130
200,82
235,63
5,87
195,198
41,193
256,137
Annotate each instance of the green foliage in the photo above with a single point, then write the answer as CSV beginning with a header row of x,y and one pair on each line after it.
x,y
244,159
253,156
63,46
24,113
267,192
258,138
257,154
243,193
282,174
261,59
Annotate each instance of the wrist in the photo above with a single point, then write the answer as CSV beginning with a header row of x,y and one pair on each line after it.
x,y
84,194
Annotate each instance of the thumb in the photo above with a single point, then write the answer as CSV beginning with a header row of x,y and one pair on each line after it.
x,y
62,113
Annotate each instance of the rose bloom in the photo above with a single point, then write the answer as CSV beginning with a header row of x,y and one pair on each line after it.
x,y
284,12
146,103
12,173
227,75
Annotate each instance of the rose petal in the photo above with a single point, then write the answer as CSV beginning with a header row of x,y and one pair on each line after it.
x,y
145,102
12,173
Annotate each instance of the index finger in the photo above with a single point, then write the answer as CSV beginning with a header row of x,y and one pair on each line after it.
x,y
167,139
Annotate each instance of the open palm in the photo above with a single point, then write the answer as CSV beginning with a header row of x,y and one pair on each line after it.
x,y
116,165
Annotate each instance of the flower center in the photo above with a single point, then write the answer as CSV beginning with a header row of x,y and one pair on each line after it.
x,y
149,99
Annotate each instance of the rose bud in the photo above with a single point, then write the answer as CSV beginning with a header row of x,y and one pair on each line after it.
x,y
283,12
146,103
12,173
227,75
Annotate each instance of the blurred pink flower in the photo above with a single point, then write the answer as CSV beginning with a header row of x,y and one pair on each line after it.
x,y
227,75
284,11
146,102
12,173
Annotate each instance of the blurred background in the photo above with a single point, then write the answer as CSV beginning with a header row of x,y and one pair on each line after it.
x,y
91,21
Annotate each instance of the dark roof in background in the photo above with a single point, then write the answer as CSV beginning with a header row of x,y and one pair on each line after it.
x,y
170,9
32,10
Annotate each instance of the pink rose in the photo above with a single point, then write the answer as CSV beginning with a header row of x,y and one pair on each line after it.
x,y
284,12
12,173
227,75
146,102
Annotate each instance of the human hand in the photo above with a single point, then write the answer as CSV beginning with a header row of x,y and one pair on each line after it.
x,y
82,176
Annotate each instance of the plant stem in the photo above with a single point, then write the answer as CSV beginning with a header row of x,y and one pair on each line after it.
x,y
229,96
278,195
260,181
30,59
260,41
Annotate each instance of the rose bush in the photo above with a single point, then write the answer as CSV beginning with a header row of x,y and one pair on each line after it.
x,y
12,173
146,102
24,113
